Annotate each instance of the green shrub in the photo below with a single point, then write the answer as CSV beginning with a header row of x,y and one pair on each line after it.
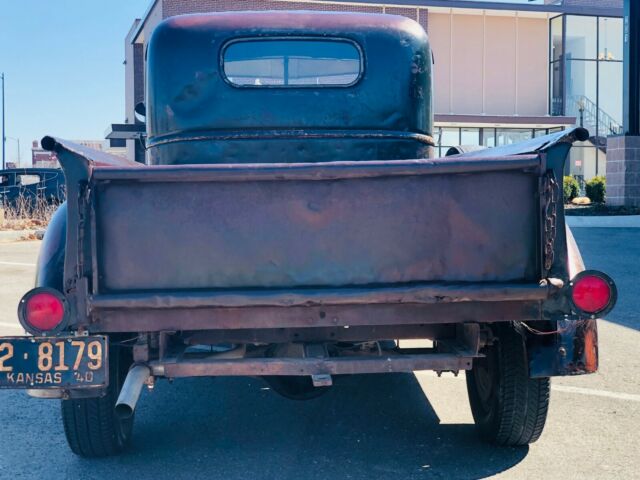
x,y
570,187
596,189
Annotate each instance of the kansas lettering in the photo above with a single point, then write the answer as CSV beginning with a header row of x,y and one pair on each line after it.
x,y
34,378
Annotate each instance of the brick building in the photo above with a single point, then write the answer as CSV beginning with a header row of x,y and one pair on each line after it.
x,y
503,73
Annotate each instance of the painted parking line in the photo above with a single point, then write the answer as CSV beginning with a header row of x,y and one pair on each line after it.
x,y
596,393
19,264
593,392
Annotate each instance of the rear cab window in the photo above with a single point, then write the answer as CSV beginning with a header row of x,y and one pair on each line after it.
x,y
292,62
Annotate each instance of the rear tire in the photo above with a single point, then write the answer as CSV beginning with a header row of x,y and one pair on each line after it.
x,y
508,407
90,424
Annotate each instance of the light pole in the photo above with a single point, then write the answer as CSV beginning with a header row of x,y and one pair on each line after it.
x,y
17,140
3,137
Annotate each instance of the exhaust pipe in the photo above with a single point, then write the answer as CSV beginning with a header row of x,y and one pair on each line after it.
x,y
130,392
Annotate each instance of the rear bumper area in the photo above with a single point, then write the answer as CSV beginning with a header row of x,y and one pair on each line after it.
x,y
303,308
385,362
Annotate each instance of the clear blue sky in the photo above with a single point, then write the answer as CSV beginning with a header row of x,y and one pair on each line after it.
x,y
63,67
62,61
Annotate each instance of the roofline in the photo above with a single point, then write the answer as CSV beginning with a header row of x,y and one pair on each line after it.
x,y
133,30
472,5
488,5
142,22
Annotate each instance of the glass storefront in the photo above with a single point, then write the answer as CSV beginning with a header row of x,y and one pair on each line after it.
x,y
447,137
585,79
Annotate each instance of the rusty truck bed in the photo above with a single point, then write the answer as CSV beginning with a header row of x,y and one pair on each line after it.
x,y
261,246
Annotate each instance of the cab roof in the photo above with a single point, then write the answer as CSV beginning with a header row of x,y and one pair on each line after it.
x,y
187,91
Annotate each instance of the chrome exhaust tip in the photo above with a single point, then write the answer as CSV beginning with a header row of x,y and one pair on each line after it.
x,y
131,389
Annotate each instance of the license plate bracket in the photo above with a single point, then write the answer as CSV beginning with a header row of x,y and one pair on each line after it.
x,y
54,362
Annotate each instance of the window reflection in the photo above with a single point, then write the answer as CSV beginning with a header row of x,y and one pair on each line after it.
x,y
581,37
291,63
610,44
509,136
556,38
610,98
485,136
470,136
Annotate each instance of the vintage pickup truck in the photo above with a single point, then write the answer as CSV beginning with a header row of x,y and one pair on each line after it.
x,y
290,223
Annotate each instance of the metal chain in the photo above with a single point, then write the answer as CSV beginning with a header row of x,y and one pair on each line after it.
x,y
551,191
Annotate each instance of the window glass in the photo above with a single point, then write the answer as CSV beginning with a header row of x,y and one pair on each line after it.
x,y
610,99
539,132
470,136
581,92
581,37
292,62
509,136
489,137
449,137
611,38
556,39
555,83
583,158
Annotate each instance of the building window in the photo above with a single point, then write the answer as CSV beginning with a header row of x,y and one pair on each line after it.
x,y
585,75
485,136
610,38
509,136
581,37
470,136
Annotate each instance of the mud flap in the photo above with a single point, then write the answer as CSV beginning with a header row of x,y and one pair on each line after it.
x,y
573,350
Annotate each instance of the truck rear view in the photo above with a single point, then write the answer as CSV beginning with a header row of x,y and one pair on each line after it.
x,y
291,224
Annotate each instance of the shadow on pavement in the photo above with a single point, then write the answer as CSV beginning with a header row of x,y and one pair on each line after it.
x,y
369,427
615,251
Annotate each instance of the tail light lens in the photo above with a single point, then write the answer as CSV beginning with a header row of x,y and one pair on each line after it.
x,y
42,311
593,292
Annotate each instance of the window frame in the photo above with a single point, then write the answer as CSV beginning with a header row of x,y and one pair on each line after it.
x,y
267,38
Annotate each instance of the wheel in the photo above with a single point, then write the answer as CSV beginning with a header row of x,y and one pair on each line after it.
x,y
90,424
295,388
508,407
292,387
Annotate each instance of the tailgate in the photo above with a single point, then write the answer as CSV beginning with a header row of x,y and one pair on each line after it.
x,y
330,225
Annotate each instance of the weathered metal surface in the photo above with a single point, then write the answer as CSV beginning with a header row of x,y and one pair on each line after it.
x,y
149,320
319,334
189,100
568,347
310,366
291,234
415,294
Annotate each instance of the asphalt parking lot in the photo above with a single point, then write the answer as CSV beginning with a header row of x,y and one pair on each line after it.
x,y
368,427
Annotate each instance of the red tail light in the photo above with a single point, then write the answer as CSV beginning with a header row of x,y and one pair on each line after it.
x,y
42,310
593,292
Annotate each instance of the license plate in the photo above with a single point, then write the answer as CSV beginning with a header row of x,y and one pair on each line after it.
x,y
53,362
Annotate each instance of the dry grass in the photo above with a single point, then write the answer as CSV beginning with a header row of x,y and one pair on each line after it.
x,y
25,215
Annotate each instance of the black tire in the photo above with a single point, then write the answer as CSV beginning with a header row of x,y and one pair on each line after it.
x,y
295,388
508,407
90,424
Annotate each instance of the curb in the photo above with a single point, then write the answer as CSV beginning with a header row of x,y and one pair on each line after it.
x,y
617,221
